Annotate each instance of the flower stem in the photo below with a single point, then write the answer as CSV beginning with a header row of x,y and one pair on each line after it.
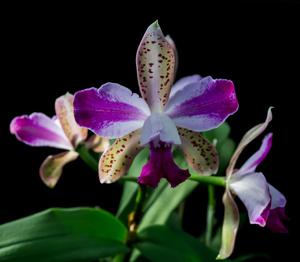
x,y
87,157
210,214
209,180
136,215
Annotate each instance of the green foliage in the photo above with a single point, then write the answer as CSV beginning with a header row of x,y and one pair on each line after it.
x,y
161,243
168,200
86,234
54,235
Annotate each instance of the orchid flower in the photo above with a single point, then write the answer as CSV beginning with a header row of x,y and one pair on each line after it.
x,y
163,117
264,203
61,132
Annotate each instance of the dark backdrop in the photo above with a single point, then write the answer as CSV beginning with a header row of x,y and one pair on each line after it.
x,y
49,50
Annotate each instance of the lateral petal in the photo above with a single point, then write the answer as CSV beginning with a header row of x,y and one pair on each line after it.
x,y
202,105
38,129
184,81
111,111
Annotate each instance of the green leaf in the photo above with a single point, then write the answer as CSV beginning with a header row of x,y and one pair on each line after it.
x,y
56,235
179,158
226,150
130,188
221,133
216,240
159,212
160,243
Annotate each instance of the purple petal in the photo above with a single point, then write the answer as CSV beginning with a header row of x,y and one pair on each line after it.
x,y
155,61
247,138
160,127
161,165
259,156
274,212
38,129
182,82
276,220
253,190
65,113
199,153
230,225
203,105
112,110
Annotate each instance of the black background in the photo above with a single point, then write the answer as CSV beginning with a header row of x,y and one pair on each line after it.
x,y
48,50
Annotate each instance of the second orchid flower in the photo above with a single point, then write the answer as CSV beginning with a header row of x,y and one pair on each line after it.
x,y
60,131
264,203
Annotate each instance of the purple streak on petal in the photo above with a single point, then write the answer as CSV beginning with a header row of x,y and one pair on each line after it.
x,y
263,217
182,82
203,105
275,221
247,138
161,165
38,129
259,156
112,110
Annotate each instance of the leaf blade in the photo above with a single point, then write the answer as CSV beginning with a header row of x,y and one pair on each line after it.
x,y
75,234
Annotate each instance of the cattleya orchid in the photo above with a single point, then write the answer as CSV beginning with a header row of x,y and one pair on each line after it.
x,y
61,132
166,115
264,203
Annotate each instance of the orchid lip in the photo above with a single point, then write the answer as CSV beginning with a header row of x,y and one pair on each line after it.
x,y
161,165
